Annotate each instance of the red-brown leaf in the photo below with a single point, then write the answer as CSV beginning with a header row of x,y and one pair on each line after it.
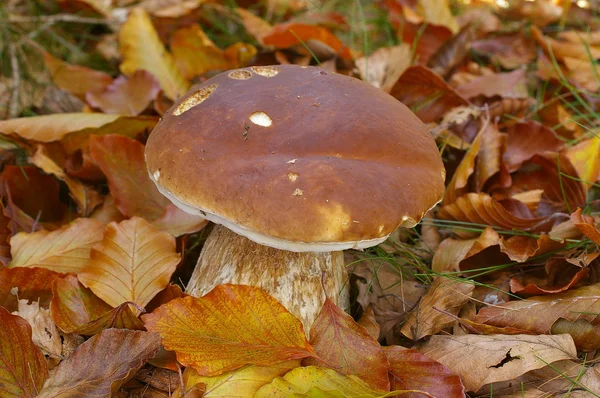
x,y
23,368
33,284
347,347
525,140
586,225
291,34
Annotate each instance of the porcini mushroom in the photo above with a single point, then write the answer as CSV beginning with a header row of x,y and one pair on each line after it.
x,y
294,165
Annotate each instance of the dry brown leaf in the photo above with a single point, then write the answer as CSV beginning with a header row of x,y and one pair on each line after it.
x,y
384,67
33,284
64,250
45,334
133,263
496,358
509,50
564,49
444,294
586,225
102,364
507,85
525,140
255,25
437,12
141,48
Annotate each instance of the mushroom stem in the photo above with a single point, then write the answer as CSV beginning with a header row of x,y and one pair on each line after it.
x,y
294,279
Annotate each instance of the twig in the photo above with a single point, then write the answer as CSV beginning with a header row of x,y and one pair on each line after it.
x,y
57,18
13,108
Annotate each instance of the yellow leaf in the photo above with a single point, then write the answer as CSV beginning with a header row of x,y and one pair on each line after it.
x,y
75,79
194,53
437,12
317,382
585,157
229,327
65,250
141,48
240,383
133,262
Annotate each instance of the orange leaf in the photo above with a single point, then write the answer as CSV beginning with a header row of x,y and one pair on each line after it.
x,y
534,289
444,294
141,48
75,309
586,225
292,34
525,140
133,263
65,250
75,79
32,284
102,364
426,93
126,96
347,347
231,326
23,368
121,159
412,370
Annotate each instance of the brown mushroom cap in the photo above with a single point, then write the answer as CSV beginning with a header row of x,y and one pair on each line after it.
x,y
296,158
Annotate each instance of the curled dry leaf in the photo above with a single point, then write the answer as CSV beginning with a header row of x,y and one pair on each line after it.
x,y
48,128
444,294
426,93
32,284
75,309
412,370
65,250
548,288
133,262
126,96
426,39
314,381
561,49
525,140
231,326
509,50
288,35
141,48
255,25
452,53
367,320
585,336
89,371
384,67
586,225
45,334
242,383
78,80
347,347
23,368
496,358
507,85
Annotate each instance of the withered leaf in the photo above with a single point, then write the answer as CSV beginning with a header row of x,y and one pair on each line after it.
x,y
231,326
586,225
525,140
292,34
102,364
33,284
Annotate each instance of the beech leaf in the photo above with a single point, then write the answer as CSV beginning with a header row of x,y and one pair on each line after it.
x,y
141,48
286,35
496,358
65,250
32,284
585,224
23,368
102,364
347,347
133,263
231,326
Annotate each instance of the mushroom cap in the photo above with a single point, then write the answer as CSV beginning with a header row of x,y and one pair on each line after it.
x,y
296,158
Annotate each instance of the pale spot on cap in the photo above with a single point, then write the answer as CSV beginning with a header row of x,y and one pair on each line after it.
x,y
156,175
266,71
240,75
195,99
261,119
293,176
292,161
298,192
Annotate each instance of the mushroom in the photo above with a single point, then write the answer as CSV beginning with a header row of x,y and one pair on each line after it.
x,y
294,165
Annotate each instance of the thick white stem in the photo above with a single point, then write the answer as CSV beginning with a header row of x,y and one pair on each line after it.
x,y
294,279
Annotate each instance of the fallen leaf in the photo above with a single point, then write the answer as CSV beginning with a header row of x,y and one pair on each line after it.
x,y
33,284
194,53
586,225
585,336
426,93
255,25
79,164
170,8
313,381
496,358
23,368
525,140
48,128
287,35
45,334
585,157
141,48
444,294
242,383
75,309
64,250
347,347
412,370
538,289
121,159
510,50
489,159
451,252
5,234
77,80
384,67
452,52
231,326
437,12
126,96
539,313
564,49
133,262
177,222
367,320
85,197
507,85
426,39
171,292
89,371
